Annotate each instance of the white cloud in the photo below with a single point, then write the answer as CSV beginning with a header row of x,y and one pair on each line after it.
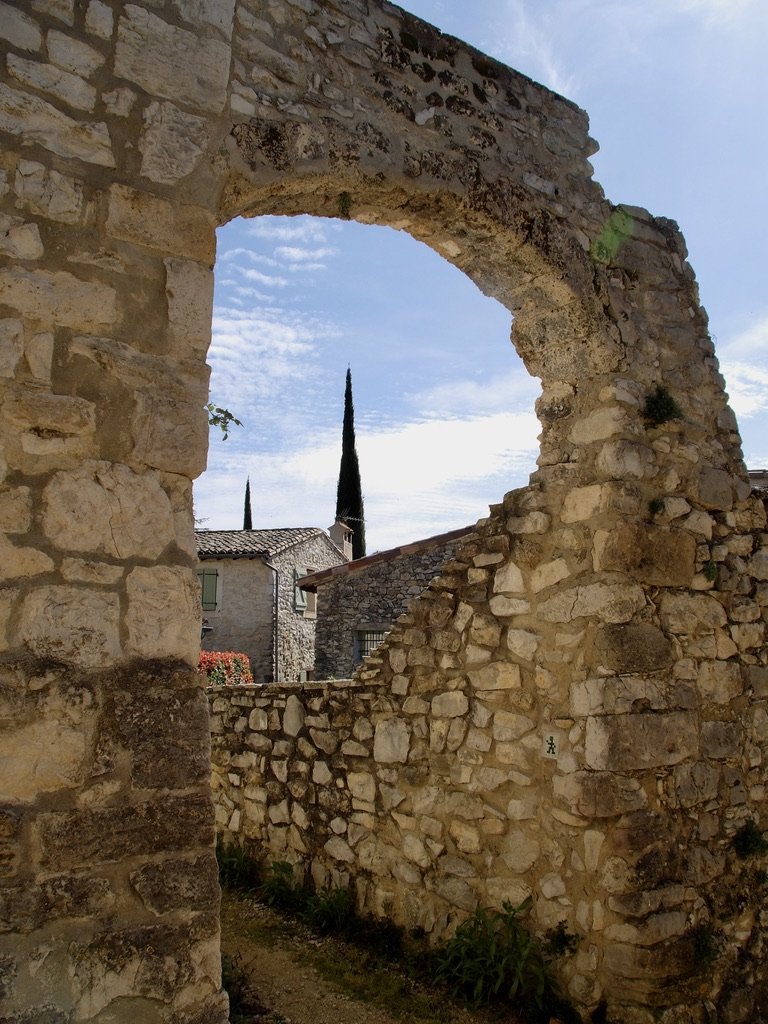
x,y
743,359
296,254
528,39
513,391
270,280
419,479
299,229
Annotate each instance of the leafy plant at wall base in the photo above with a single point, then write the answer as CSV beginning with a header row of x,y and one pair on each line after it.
x,y
660,407
279,889
330,911
492,956
225,668
710,571
237,869
749,841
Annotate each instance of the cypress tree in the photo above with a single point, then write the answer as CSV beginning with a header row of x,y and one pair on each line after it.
x,y
247,520
349,492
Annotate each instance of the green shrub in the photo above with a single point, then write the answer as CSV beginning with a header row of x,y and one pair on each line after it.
x,y
660,407
279,888
330,911
237,869
492,956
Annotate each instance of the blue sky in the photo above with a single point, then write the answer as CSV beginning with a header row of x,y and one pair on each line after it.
x,y
675,91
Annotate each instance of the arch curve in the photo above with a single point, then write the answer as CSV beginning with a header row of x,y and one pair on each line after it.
x,y
636,535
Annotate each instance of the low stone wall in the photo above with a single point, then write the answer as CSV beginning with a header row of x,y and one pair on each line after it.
x,y
608,785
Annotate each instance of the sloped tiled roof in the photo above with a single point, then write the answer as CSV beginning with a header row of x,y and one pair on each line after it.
x,y
251,543
316,579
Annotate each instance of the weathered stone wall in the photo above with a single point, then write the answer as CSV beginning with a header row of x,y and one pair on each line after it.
x,y
128,133
296,644
369,596
608,781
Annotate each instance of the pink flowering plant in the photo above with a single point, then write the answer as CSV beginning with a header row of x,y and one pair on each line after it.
x,y
225,668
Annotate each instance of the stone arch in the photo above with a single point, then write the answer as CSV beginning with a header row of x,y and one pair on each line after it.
x,y
128,135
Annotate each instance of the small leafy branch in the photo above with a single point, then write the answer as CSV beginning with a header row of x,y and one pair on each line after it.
x,y
660,407
225,668
221,418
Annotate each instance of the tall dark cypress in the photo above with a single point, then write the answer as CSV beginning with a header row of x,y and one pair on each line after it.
x,y
247,520
349,492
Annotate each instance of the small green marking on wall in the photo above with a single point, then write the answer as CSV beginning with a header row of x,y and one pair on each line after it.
x,y
550,746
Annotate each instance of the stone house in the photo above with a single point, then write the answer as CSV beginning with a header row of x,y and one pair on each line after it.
x,y
358,601
250,596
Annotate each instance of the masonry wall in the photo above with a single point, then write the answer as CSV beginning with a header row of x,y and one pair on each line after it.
x,y
368,597
296,650
490,771
128,132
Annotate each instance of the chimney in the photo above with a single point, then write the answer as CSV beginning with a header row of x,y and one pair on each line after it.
x,y
341,535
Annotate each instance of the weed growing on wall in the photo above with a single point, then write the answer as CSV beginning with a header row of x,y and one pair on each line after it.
x,y
660,407
749,841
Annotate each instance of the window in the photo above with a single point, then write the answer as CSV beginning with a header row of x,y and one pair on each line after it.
x,y
366,641
208,580
304,600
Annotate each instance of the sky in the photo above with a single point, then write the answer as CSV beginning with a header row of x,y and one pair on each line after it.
x,y
676,93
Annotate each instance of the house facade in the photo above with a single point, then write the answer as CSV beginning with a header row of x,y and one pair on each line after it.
x,y
251,599
358,601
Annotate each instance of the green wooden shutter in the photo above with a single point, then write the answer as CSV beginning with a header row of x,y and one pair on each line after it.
x,y
208,578
299,595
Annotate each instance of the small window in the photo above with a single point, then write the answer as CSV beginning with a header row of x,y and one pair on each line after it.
x,y
366,641
304,600
208,580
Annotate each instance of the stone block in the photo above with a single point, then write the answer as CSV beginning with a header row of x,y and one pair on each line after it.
x,y
501,675
72,625
171,62
172,143
626,460
632,647
99,19
175,884
715,489
35,121
691,613
108,509
719,681
509,726
391,741
548,574
293,716
44,756
649,554
18,28
721,740
11,345
49,193
57,297
189,290
696,782
610,602
68,88
163,615
599,794
508,580
79,839
170,228
452,704
636,741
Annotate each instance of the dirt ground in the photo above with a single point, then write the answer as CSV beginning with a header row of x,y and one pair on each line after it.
x,y
281,973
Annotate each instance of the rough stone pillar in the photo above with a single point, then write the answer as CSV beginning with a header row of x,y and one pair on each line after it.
x,y
109,895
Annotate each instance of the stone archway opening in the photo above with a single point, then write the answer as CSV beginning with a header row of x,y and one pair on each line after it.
x,y
616,603
445,422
